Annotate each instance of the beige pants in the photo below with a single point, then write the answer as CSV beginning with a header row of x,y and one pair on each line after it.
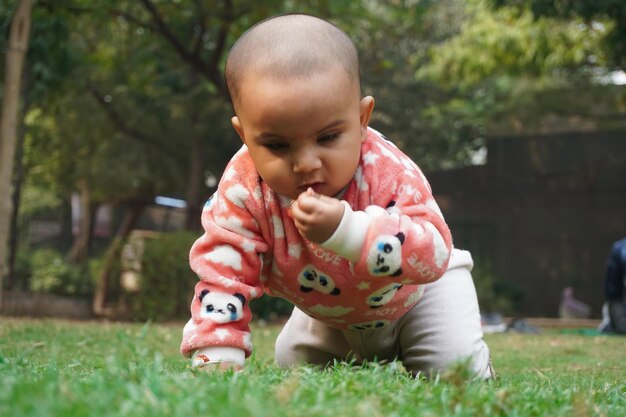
x,y
442,329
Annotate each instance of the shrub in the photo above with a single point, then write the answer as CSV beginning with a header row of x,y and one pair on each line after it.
x,y
166,282
51,273
23,269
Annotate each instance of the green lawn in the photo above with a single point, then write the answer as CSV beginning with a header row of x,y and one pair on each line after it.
x,y
61,368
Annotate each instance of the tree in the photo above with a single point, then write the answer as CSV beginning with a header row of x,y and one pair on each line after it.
x,y
505,70
394,40
611,14
50,60
18,45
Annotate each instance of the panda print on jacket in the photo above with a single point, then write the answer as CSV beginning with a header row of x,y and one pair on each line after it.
x,y
221,307
311,279
383,295
369,325
385,256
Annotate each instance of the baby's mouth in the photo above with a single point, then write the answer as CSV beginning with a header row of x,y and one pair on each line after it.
x,y
315,186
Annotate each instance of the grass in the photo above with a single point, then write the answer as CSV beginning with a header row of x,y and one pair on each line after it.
x,y
61,368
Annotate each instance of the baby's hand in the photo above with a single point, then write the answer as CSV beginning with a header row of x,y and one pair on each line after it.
x,y
316,216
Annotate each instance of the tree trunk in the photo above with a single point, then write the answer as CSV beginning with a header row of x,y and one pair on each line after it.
x,y
14,64
18,180
80,246
111,256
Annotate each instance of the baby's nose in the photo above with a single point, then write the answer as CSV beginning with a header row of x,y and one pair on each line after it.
x,y
306,162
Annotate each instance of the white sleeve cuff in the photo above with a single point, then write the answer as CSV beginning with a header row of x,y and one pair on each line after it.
x,y
348,239
218,354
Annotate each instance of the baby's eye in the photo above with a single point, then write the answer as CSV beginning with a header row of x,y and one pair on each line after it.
x,y
328,138
276,146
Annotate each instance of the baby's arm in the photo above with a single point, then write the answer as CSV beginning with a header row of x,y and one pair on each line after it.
x,y
228,259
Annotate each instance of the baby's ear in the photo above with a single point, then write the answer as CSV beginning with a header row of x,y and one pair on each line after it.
x,y
365,113
237,126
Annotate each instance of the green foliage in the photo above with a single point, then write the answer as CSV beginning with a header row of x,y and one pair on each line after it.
x,y
37,200
608,13
23,269
503,44
51,273
506,70
56,368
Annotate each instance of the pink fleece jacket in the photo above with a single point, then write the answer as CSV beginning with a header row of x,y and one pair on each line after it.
x,y
392,239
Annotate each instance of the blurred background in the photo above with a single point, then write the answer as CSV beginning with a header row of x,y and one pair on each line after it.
x,y
115,131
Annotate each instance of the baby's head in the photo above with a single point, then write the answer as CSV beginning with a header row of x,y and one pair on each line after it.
x,y
294,84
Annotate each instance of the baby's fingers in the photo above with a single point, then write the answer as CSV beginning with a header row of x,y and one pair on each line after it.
x,y
321,198
309,196
302,215
310,201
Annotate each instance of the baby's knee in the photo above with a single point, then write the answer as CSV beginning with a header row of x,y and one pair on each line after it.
x,y
470,358
284,351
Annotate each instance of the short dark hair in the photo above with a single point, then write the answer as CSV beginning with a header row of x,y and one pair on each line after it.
x,y
288,46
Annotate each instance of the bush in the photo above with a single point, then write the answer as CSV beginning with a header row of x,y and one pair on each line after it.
x,y
167,283
23,270
51,273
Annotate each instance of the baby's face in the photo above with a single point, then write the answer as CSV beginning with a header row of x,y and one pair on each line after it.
x,y
303,132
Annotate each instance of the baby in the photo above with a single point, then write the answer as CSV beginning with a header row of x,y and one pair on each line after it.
x,y
322,210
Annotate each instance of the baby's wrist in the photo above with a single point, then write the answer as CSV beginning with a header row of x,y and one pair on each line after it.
x,y
349,236
213,355
333,221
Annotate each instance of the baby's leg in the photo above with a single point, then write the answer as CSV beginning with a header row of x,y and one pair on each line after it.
x,y
305,340
444,327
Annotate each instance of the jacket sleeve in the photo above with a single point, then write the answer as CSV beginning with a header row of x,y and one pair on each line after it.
x,y
228,259
402,233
